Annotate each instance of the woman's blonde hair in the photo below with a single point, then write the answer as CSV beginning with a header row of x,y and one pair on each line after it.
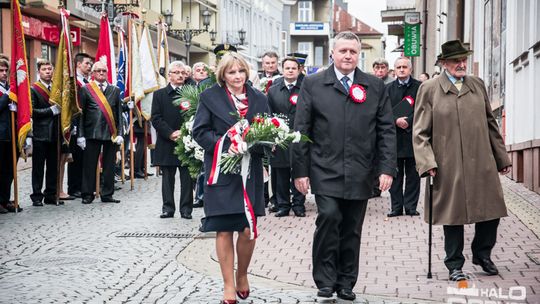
x,y
226,62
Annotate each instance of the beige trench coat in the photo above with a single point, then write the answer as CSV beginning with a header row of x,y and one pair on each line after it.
x,y
455,132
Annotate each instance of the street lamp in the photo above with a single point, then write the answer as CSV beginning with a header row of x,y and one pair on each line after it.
x,y
188,33
213,34
242,36
112,7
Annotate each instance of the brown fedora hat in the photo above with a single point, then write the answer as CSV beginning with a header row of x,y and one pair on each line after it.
x,y
453,49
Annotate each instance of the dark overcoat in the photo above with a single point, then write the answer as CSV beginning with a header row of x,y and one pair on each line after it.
x,y
93,124
166,118
44,122
212,120
279,102
397,93
456,133
347,137
5,118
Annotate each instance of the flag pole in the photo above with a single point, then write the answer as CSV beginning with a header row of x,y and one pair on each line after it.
x,y
145,147
14,159
122,163
58,159
131,162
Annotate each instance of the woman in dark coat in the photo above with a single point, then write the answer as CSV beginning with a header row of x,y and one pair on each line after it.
x,y
224,206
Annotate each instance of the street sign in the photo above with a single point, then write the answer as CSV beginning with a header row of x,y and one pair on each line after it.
x,y
412,34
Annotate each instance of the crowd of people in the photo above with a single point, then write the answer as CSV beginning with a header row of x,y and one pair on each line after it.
x,y
369,132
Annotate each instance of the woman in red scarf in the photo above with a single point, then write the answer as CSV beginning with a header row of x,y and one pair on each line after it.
x,y
228,205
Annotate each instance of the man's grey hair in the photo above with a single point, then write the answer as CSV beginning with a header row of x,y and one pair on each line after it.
x,y
379,61
198,64
409,63
347,35
101,63
177,64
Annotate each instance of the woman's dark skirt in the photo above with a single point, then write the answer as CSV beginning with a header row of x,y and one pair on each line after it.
x,y
224,223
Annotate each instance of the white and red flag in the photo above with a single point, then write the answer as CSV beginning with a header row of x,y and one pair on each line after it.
x,y
105,49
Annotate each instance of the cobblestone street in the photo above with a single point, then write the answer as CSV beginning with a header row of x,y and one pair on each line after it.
x,y
113,253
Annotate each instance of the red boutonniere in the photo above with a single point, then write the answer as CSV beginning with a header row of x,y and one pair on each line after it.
x,y
185,105
409,99
293,99
358,93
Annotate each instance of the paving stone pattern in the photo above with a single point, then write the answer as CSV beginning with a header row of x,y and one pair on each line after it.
x,y
73,254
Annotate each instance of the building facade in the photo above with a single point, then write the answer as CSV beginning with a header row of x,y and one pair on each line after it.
x,y
308,30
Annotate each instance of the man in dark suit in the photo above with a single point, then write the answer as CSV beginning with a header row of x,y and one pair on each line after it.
x,y
402,93
282,98
100,126
347,115
45,137
83,64
6,152
167,119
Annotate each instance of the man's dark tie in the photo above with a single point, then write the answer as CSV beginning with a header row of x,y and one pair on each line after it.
x,y
345,82
85,80
102,87
49,88
290,86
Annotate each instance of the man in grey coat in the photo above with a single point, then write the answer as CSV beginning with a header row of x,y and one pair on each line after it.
x,y
457,142
348,117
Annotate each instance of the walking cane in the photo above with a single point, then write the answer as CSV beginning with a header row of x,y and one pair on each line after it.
x,y
430,181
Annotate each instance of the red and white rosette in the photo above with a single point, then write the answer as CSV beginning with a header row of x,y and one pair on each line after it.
x,y
409,99
185,105
358,93
237,134
293,99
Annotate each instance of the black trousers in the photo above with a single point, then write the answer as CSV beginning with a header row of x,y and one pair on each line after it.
x,y
6,171
167,189
336,244
75,168
45,155
91,157
407,199
267,198
485,237
138,157
284,187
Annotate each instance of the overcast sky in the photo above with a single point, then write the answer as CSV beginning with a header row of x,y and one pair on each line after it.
x,y
369,12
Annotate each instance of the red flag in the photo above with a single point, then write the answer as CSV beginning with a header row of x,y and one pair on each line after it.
x,y
18,78
105,50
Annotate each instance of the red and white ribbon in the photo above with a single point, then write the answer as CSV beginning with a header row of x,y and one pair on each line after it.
x,y
236,134
409,99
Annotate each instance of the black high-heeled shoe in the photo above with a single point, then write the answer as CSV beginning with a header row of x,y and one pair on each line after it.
x,y
229,302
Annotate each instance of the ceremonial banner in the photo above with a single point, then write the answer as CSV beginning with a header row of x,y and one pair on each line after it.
x,y
105,50
137,90
122,64
163,53
150,75
19,90
64,91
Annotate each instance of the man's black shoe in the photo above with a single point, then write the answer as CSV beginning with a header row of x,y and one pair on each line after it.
x,y
10,207
51,202
457,275
139,175
414,213
394,213
186,216
487,266
299,213
149,174
116,188
76,194
166,215
325,292
87,201
346,294
37,204
109,200
273,208
282,213
198,204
